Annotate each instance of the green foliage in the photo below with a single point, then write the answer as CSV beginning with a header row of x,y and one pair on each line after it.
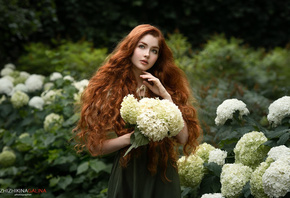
x,y
79,59
20,19
46,159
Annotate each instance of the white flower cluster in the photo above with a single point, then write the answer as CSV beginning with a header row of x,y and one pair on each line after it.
x,y
279,152
191,170
217,156
6,86
36,102
203,151
272,177
233,179
16,84
278,110
276,179
156,119
213,195
52,120
227,109
129,109
55,75
256,182
19,99
34,82
50,95
249,149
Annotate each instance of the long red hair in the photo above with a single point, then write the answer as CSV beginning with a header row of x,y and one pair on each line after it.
x,y
101,100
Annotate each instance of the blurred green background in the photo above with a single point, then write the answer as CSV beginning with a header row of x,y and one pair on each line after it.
x,y
228,49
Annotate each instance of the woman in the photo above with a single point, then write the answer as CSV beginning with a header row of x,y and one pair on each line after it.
x,y
142,64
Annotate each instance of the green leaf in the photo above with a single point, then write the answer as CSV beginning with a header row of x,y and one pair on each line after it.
x,y
53,181
82,168
49,139
97,165
214,168
71,121
137,139
283,139
247,190
65,181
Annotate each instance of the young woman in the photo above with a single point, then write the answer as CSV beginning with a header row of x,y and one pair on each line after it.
x,y
142,64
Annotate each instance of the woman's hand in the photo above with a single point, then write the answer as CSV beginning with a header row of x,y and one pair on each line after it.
x,y
155,85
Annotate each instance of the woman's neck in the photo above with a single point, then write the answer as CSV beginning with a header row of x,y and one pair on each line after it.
x,y
137,74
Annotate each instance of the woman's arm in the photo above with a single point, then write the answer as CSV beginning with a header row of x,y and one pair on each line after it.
x,y
112,145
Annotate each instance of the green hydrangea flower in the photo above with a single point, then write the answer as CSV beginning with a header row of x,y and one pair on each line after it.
x,y
129,109
256,180
233,179
203,151
22,147
250,150
7,158
19,99
52,121
191,170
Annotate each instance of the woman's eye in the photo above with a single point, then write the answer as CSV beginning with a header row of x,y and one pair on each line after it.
x,y
141,46
155,51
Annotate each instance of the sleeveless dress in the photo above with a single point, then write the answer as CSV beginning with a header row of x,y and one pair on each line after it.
x,y
135,180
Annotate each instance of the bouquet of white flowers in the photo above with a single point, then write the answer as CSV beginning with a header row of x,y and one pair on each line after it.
x,y
152,118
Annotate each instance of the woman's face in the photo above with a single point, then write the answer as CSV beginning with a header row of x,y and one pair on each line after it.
x,y
145,54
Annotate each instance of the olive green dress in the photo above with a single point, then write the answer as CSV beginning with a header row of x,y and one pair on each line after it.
x,y
135,181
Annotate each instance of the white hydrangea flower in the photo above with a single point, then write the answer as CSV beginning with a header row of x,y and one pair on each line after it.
x,y
50,95
52,120
152,127
10,65
172,115
36,102
190,170
24,74
278,110
81,85
47,86
129,109
10,78
6,86
213,195
276,179
233,179
217,156
279,152
55,75
20,87
203,151
227,109
155,118
6,71
34,83
250,150
256,182
69,78
19,99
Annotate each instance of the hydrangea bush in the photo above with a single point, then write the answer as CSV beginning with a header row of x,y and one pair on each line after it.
x,y
36,121
249,159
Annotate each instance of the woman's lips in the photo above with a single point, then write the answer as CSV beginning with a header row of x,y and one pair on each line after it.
x,y
144,62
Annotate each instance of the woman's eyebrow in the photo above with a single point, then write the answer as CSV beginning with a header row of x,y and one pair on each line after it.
x,y
147,44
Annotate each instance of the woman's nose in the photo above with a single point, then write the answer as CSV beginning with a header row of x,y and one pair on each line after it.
x,y
146,53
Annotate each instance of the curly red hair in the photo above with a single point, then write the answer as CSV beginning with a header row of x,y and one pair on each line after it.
x,y
101,100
